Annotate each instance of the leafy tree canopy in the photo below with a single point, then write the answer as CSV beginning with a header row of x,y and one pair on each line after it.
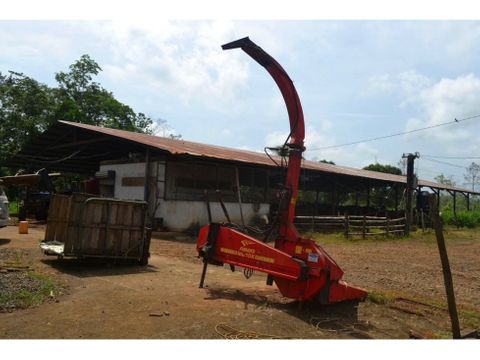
x,y
383,168
472,175
445,180
28,107
327,162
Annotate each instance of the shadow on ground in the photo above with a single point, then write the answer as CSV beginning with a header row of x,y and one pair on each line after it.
x,y
4,241
94,267
336,318
174,236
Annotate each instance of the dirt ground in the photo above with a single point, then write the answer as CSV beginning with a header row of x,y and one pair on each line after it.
x,y
163,300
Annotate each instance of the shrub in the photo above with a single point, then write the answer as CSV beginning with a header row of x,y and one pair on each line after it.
x,y
469,219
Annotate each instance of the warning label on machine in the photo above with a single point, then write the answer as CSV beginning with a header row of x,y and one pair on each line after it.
x,y
247,253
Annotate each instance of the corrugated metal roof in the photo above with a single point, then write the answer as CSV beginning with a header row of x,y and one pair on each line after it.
x,y
183,147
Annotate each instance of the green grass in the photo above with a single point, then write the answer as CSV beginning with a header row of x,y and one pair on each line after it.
x,y
378,298
24,298
451,233
469,317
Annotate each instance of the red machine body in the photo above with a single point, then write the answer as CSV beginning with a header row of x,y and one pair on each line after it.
x,y
300,268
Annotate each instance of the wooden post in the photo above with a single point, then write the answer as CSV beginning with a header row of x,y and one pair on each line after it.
x,y
363,227
146,188
447,275
368,198
409,193
316,208
333,198
396,197
468,202
337,201
346,225
388,226
239,196
422,218
455,203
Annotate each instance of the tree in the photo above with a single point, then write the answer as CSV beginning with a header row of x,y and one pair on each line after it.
x,y
83,100
383,168
402,165
327,162
28,107
472,176
380,197
442,179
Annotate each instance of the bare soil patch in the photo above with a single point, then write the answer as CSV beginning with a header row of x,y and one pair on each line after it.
x,y
163,301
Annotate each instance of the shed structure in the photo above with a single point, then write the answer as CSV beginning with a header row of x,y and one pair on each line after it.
x,y
172,175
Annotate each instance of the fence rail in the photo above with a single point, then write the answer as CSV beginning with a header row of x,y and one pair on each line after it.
x,y
353,225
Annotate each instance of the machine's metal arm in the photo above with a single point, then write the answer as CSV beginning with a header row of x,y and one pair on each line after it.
x,y
300,268
297,128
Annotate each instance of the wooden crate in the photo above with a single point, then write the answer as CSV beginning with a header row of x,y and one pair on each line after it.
x,y
99,227
61,212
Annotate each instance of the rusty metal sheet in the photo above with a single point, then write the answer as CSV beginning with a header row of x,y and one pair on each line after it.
x,y
183,147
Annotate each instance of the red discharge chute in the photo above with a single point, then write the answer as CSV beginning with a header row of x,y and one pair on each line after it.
x,y
300,268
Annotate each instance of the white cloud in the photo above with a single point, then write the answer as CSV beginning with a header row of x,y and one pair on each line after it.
x,y
181,58
276,138
406,84
443,102
356,156
458,38
378,84
437,103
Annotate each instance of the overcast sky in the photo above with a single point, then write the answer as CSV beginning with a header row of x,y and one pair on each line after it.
x,y
356,80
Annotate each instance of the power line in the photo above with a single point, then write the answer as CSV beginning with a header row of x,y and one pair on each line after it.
x,y
452,157
444,162
396,134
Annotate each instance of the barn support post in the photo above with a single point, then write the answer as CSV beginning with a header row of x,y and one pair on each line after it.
x,y
396,197
454,196
467,198
239,195
337,201
333,198
146,188
410,188
437,194
455,203
315,214
368,197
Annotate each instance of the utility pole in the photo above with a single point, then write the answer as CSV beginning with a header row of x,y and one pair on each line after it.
x,y
411,185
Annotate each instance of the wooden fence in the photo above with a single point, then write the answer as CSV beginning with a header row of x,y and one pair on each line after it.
x,y
353,225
